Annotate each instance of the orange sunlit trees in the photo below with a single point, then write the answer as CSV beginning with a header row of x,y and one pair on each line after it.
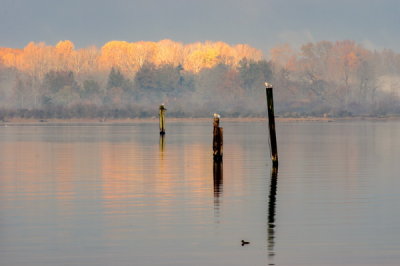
x,y
37,59
63,56
168,52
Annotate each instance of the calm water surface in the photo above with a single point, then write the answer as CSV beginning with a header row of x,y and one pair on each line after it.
x,y
119,195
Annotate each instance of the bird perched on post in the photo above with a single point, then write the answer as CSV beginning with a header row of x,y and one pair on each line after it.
x,y
268,85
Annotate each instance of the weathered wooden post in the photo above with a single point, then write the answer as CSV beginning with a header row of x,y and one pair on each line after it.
x,y
271,123
162,119
217,139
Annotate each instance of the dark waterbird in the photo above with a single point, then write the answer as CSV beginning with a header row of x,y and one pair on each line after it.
x,y
245,242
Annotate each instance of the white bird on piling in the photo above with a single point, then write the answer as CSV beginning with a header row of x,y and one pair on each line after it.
x,y
268,85
216,115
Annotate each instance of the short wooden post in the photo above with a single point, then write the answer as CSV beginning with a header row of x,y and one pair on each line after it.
x,y
271,123
162,119
217,139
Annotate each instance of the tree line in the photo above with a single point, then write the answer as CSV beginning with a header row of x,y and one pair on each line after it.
x,y
123,79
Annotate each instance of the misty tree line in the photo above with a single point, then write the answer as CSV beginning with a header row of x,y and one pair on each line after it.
x,y
324,78
221,88
337,79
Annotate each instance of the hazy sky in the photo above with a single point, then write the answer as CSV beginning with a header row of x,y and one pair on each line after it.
x,y
260,23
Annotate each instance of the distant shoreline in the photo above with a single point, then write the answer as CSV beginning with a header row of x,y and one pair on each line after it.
x,y
32,121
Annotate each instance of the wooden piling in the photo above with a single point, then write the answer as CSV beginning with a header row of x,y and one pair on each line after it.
x,y
162,118
271,123
217,139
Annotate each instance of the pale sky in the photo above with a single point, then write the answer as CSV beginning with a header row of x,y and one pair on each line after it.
x,y
260,23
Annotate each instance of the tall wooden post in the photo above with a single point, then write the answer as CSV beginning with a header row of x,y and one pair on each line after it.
x,y
271,123
217,139
162,119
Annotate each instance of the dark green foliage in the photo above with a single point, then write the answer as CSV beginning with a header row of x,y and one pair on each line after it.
x,y
119,89
60,88
145,78
90,89
253,74
165,80
54,81
169,80
187,82
117,80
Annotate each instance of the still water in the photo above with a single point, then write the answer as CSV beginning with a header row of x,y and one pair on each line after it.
x,y
120,195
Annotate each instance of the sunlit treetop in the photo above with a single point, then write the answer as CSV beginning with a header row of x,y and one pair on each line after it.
x,y
39,58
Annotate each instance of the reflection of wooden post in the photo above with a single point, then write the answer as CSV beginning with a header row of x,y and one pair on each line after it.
x,y
162,119
218,180
162,146
162,142
218,177
272,211
217,139
271,123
